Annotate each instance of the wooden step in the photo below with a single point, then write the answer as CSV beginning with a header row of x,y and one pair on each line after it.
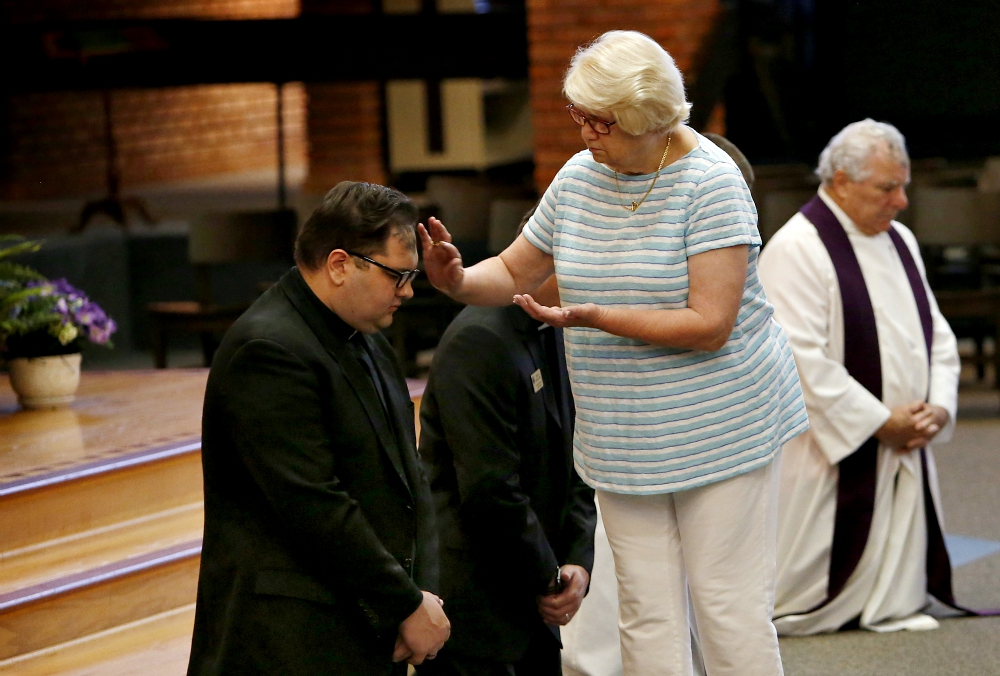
x,y
81,498
100,598
129,447
158,645
41,564
100,508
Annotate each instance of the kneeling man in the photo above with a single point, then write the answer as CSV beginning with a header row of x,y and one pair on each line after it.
x,y
516,522
859,533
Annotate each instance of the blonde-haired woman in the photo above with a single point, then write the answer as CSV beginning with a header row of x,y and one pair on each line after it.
x,y
685,387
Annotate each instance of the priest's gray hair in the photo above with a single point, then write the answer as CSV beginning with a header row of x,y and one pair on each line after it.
x,y
628,77
852,148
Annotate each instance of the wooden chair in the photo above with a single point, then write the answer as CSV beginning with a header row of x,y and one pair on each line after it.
x,y
217,239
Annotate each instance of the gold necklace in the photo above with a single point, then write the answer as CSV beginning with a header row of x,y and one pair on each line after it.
x,y
635,205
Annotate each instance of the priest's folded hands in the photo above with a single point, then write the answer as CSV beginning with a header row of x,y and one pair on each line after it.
x,y
912,426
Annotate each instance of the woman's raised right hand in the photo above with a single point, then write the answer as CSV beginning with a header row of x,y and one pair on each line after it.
x,y
442,261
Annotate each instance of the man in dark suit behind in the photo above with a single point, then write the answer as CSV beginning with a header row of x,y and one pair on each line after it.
x,y
320,552
497,430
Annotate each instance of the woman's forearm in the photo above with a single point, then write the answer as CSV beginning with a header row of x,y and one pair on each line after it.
x,y
683,328
520,268
488,282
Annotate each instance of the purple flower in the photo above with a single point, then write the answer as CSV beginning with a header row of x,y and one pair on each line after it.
x,y
78,310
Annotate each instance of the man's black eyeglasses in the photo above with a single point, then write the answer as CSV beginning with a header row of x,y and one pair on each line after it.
x,y
402,276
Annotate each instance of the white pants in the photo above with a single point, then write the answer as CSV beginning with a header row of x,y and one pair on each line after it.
x,y
591,641
716,540
591,645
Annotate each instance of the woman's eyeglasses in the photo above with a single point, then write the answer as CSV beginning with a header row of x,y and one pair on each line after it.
x,y
600,126
402,276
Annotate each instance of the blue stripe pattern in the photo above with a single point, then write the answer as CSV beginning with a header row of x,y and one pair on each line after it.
x,y
654,419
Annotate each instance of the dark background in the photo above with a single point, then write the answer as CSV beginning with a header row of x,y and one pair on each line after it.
x,y
806,68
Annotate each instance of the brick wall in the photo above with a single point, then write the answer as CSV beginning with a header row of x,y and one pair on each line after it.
x,y
22,11
344,119
556,28
345,134
54,145
57,143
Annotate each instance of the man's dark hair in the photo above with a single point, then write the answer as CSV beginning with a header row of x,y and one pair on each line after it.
x,y
357,217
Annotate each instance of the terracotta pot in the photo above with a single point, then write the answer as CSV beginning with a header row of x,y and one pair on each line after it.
x,y
45,382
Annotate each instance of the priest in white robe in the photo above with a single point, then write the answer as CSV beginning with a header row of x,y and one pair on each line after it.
x,y
884,585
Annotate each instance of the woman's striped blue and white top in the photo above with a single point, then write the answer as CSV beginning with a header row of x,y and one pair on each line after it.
x,y
655,419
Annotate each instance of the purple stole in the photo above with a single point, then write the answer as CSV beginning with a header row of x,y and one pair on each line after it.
x,y
856,484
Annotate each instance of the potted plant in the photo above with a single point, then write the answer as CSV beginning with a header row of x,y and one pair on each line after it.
x,y
43,325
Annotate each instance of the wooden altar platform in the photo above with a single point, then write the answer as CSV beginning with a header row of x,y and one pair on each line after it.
x,y
101,523
101,518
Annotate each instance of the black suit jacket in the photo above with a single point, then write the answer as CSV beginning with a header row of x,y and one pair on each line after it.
x,y
510,507
319,530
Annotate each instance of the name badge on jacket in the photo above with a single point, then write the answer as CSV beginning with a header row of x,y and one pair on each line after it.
x,y
536,380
